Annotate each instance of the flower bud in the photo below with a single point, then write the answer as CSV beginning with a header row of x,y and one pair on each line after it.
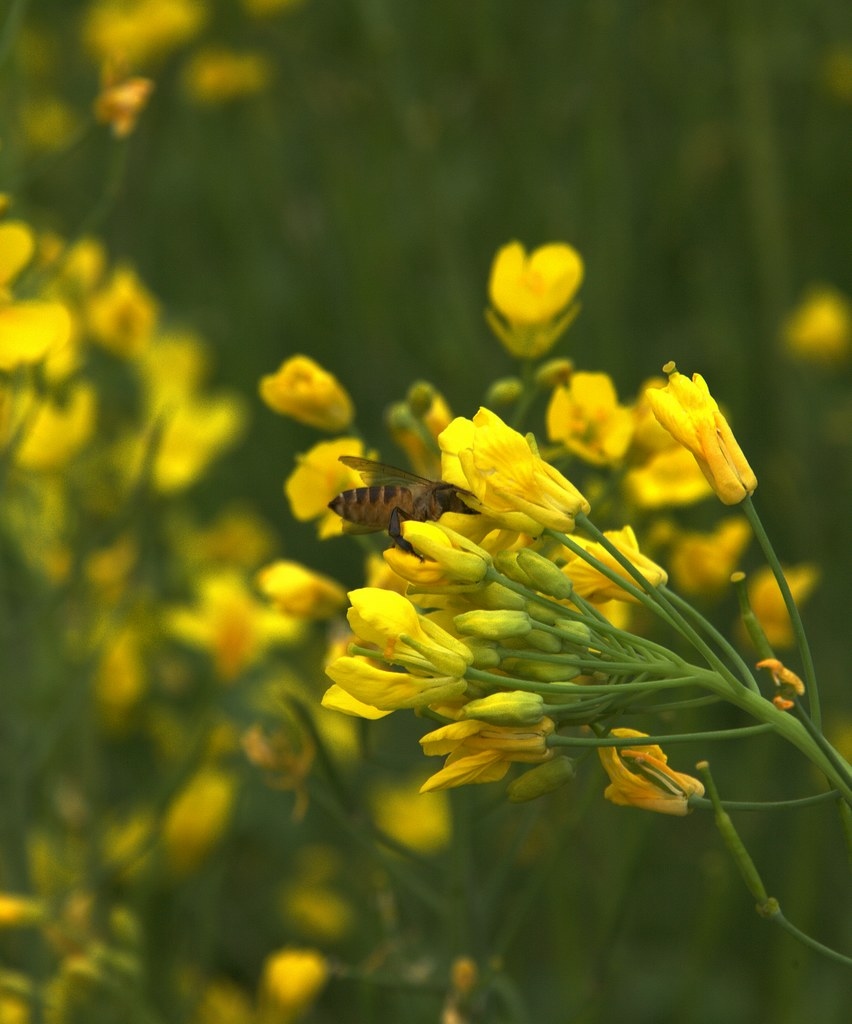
x,y
540,671
493,624
553,373
505,391
485,653
495,595
462,561
545,576
544,778
547,643
515,707
420,397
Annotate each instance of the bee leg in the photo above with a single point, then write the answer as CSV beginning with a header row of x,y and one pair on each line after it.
x,y
397,517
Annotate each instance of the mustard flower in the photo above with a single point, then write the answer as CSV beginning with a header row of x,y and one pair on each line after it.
x,y
688,411
819,330
303,390
767,602
122,315
585,416
388,620
338,698
442,556
140,30
482,752
387,689
319,477
594,585
702,563
508,479
215,75
291,981
529,291
422,824
640,777
670,477
17,246
56,431
197,818
18,911
301,592
121,99
229,622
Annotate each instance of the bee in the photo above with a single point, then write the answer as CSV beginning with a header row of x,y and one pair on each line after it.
x,y
390,497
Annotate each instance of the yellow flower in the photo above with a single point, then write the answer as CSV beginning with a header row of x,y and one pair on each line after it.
x,y
593,585
318,477
586,417
17,246
301,592
820,329
303,390
640,777
702,563
215,75
230,623
767,602
421,824
310,899
670,477
534,288
121,99
19,911
382,689
481,752
388,620
32,330
292,980
690,414
57,431
223,1002
187,439
442,556
510,482
120,681
123,314
140,30
197,819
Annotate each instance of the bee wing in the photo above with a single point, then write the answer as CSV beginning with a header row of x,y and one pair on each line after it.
x,y
380,473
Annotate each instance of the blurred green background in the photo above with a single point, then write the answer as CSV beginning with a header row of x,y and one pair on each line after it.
x,y
697,155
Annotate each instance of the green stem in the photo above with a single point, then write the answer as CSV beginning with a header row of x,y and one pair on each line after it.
x,y
795,619
701,803
773,913
556,740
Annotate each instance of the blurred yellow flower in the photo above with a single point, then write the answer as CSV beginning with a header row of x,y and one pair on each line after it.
x,y
529,291
670,477
17,911
592,584
585,416
303,390
17,245
296,590
215,75
533,288
122,315
190,436
819,330
121,99
223,1002
140,30
31,331
837,72
640,777
319,477
423,824
120,680
510,482
767,602
291,981
238,537
690,414
54,432
231,624
197,819
702,563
